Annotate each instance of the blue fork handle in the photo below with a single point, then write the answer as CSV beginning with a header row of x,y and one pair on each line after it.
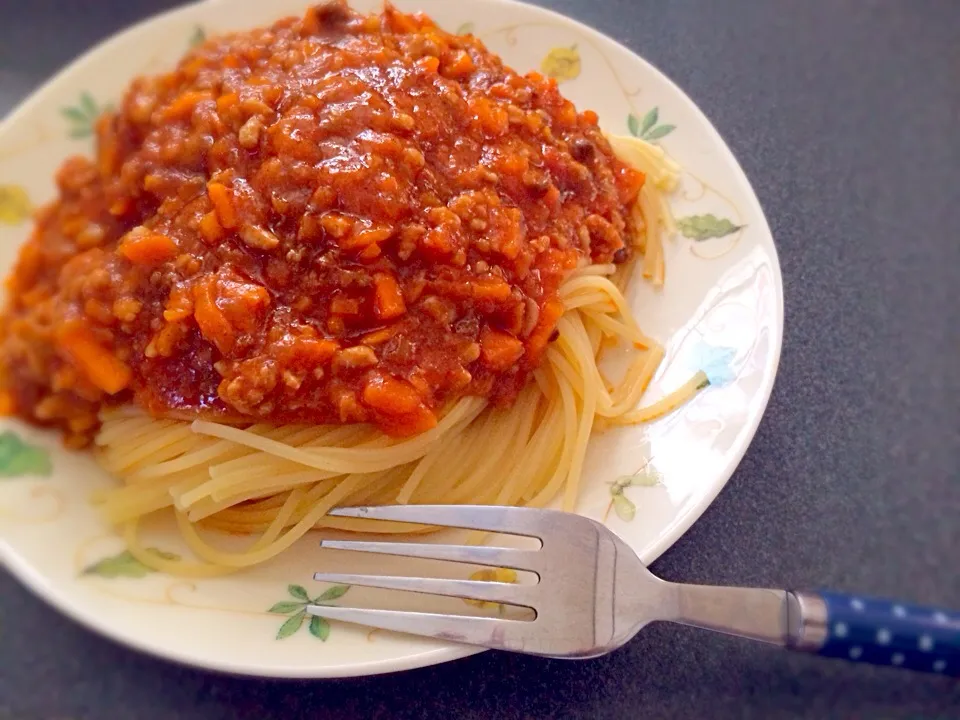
x,y
878,631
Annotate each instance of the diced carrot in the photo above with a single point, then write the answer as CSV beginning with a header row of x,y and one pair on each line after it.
x,y
400,403
7,404
307,352
342,305
375,234
144,247
591,117
567,115
337,224
552,198
402,23
378,337
499,350
98,310
242,303
179,304
389,300
311,22
490,288
489,115
222,199
429,63
99,364
213,324
550,313
120,206
210,227
438,240
557,260
370,252
388,185
515,165
225,102
419,421
390,395
107,149
165,342
461,64
319,350
184,104
192,67
365,237
629,183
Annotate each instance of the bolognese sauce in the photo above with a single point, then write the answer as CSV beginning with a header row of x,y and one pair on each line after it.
x,y
340,218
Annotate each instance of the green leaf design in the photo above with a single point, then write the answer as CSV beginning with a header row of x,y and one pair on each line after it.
x,y
465,29
73,114
291,625
18,458
197,37
89,105
337,591
633,125
286,607
649,120
625,509
648,477
319,627
124,564
299,592
704,227
83,115
659,132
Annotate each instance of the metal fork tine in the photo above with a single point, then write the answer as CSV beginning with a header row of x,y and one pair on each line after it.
x,y
467,589
530,522
489,632
475,554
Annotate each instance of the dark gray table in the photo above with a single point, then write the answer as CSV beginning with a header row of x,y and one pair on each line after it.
x,y
846,117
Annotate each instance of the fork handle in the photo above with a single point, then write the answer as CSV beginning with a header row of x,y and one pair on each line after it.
x,y
876,631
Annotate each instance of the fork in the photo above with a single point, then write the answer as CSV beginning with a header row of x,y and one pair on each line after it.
x,y
594,594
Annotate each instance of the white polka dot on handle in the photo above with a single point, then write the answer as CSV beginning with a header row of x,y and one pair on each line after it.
x,y
856,604
840,630
925,643
896,659
899,611
884,636
939,665
855,652
940,618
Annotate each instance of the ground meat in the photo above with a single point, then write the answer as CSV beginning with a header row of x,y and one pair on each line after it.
x,y
342,217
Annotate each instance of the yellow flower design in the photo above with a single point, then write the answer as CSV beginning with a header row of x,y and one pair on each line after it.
x,y
15,205
562,63
504,575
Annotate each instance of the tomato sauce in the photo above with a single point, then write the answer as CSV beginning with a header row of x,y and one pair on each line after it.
x,y
340,218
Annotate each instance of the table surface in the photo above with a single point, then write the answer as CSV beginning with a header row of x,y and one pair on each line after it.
x,y
844,116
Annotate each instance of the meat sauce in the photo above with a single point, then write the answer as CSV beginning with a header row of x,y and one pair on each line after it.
x,y
340,218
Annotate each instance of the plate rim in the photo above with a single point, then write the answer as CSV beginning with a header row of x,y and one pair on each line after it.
x,y
38,584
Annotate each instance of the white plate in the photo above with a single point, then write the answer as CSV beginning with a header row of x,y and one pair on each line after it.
x,y
721,311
